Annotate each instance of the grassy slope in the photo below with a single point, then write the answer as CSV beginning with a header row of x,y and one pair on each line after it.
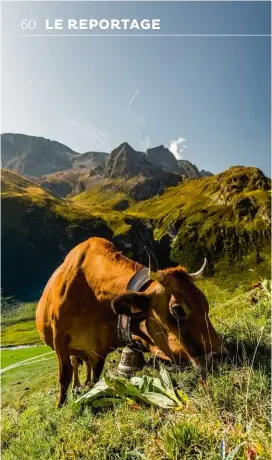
x,y
96,203
18,326
24,191
101,201
234,204
224,217
233,406
212,201
38,230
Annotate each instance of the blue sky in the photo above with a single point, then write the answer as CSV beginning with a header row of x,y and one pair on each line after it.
x,y
212,92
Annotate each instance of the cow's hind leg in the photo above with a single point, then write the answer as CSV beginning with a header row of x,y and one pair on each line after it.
x,y
75,364
65,367
93,371
90,372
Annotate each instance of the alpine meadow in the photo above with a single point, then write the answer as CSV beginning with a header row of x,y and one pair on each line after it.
x,y
136,200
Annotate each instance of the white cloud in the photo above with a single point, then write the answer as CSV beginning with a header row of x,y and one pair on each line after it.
x,y
177,147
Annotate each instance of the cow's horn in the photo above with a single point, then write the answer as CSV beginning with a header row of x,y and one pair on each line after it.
x,y
198,274
154,273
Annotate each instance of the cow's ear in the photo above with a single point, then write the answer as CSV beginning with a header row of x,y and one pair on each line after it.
x,y
131,304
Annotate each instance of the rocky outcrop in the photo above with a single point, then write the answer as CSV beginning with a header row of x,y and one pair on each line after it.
x,y
162,157
143,179
89,160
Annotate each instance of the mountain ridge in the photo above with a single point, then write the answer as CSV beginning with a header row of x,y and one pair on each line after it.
x,y
38,156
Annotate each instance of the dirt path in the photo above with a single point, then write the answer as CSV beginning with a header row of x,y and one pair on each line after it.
x,y
19,347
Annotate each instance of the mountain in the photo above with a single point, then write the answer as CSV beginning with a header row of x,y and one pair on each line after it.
x,y
64,183
188,169
134,174
34,156
89,160
162,157
204,173
126,162
225,217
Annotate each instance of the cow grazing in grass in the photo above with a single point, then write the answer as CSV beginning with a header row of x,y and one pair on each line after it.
x,y
79,311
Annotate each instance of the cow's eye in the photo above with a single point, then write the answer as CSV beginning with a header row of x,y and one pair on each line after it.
x,y
177,311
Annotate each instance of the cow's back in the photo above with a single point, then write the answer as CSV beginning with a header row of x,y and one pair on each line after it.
x,y
44,310
79,292
55,292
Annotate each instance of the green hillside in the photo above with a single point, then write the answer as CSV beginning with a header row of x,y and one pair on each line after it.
x,y
224,217
38,230
107,201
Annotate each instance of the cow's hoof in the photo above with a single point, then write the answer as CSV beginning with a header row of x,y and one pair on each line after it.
x,y
77,389
60,404
88,384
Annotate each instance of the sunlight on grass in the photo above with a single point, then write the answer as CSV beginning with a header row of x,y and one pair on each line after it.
x,y
227,417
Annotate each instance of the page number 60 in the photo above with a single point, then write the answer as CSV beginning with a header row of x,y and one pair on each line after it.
x,y
28,24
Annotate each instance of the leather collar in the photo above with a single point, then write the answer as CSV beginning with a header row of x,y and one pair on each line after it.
x,y
138,280
136,284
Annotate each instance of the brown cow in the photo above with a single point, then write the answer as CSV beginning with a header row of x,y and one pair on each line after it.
x,y
77,313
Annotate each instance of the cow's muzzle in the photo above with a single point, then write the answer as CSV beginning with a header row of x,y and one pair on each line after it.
x,y
214,355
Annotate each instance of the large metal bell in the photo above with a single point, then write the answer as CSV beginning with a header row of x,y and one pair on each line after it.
x,y
130,362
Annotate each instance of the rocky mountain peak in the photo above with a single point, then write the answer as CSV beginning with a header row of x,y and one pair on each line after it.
x,y
163,157
126,162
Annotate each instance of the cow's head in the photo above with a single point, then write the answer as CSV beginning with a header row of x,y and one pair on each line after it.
x,y
176,321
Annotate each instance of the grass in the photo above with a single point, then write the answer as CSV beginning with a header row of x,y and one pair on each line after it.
x,y
226,418
9,357
18,326
20,334
102,200
21,382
